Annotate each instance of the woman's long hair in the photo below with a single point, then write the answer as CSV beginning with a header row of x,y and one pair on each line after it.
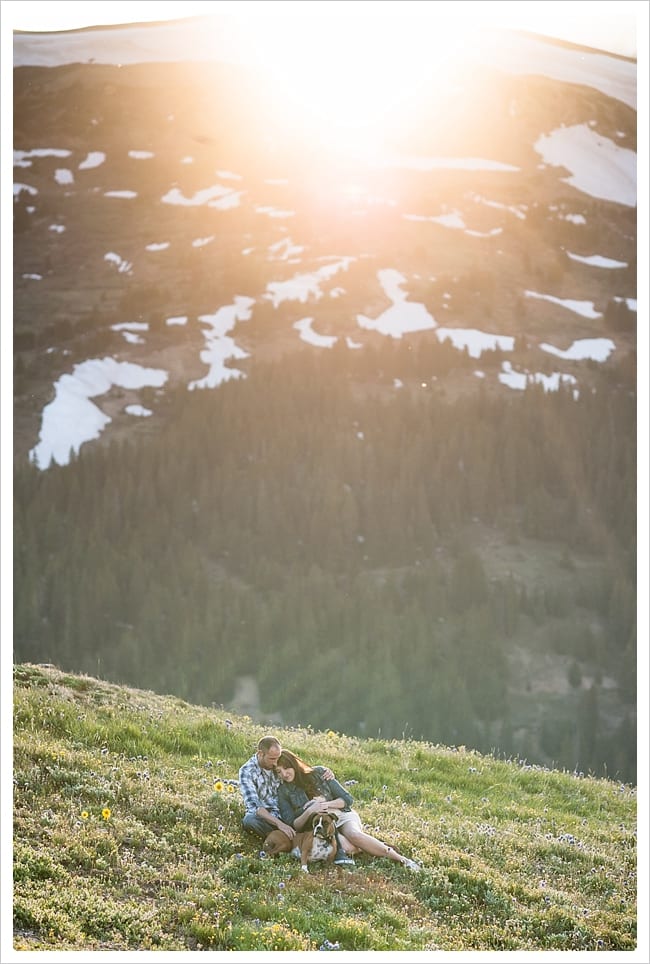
x,y
303,772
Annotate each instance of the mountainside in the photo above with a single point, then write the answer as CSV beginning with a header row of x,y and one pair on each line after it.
x,y
127,837
288,409
152,196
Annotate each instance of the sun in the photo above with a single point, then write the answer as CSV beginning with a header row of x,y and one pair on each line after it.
x,y
349,76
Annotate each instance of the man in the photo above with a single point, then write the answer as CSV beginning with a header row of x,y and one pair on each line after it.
x,y
259,783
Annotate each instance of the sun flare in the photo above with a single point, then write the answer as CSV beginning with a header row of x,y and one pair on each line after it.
x,y
352,81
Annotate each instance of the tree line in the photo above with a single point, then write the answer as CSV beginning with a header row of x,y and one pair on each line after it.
x,y
311,525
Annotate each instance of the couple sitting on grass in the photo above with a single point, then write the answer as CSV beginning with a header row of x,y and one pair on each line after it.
x,y
282,792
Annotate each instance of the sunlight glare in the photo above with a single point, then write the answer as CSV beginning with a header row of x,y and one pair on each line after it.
x,y
350,81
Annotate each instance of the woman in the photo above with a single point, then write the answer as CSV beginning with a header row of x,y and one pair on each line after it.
x,y
304,791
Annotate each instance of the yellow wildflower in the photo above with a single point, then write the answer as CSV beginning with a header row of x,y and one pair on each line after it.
x,y
84,814
218,786
231,788
106,813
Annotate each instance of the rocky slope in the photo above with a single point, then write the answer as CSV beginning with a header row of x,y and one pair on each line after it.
x,y
151,195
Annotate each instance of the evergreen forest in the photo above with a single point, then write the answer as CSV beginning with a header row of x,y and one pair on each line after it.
x,y
342,540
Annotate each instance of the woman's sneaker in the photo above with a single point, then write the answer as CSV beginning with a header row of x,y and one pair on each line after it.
x,y
411,864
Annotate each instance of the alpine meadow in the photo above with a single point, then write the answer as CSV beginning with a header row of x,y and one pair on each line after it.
x,y
128,837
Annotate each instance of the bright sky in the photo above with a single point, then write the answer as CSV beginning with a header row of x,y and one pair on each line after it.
x,y
607,24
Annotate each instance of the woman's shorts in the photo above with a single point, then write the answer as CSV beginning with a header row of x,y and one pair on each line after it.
x,y
348,820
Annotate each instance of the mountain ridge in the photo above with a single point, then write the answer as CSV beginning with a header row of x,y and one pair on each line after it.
x,y
201,22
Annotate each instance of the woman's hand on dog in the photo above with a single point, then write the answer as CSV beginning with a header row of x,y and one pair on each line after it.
x,y
318,805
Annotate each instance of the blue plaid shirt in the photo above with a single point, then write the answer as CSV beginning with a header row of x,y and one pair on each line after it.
x,y
259,787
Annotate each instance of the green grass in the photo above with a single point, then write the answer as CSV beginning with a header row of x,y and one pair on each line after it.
x,y
516,858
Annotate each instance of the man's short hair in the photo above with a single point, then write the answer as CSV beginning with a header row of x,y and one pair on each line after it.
x,y
267,742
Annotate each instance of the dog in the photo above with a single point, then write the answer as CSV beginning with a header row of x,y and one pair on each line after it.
x,y
318,843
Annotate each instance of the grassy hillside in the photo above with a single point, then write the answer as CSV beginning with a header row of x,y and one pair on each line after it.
x,y
128,837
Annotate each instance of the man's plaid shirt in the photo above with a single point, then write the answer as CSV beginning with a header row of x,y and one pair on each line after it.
x,y
259,787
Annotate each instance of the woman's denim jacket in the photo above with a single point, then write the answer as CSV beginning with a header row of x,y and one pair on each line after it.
x,y
292,799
